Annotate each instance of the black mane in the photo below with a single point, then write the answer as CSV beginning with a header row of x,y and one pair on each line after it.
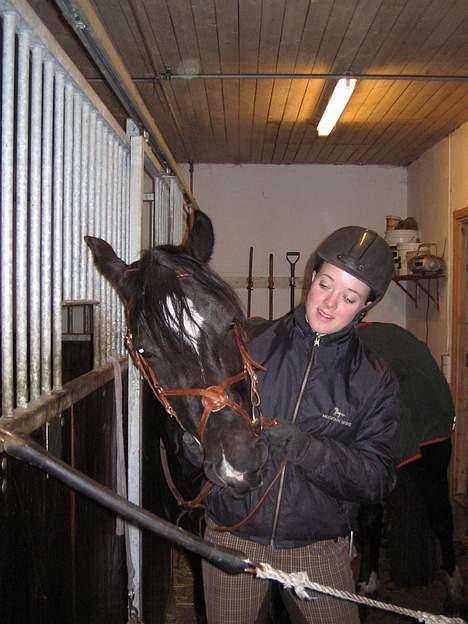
x,y
163,275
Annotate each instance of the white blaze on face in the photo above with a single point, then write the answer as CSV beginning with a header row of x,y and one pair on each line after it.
x,y
228,472
192,323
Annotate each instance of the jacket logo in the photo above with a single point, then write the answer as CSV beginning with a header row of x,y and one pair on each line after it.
x,y
338,416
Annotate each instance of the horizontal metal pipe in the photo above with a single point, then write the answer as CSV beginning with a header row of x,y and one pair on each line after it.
x,y
25,449
293,76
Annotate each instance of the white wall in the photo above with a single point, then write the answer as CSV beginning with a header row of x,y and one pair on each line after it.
x,y
280,208
437,187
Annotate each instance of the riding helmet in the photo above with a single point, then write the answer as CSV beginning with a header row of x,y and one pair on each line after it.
x,y
362,253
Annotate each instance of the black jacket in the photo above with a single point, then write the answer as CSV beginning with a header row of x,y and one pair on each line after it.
x,y
350,406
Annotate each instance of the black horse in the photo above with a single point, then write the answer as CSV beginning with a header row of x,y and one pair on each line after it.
x,y
419,508
187,337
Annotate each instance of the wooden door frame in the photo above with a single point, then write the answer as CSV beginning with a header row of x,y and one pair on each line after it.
x,y
459,302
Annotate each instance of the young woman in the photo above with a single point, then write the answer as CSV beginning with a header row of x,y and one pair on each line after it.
x,y
337,408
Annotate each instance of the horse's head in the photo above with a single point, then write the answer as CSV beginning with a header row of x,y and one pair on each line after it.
x,y
182,318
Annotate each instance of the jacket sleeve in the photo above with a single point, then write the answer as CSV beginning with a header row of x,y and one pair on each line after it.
x,y
365,470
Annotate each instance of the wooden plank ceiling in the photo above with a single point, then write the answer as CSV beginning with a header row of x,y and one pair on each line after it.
x,y
251,120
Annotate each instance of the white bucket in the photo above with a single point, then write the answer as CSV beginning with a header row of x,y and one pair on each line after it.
x,y
396,237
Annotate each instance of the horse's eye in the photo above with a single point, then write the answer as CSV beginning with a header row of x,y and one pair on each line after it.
x,y
147,354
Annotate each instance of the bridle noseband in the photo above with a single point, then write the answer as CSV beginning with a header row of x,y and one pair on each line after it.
x,y
213,398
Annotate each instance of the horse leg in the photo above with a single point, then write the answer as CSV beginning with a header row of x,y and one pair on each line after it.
x,y
435,461
369,534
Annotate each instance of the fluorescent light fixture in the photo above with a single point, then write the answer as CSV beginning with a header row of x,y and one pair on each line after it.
x,y
336,105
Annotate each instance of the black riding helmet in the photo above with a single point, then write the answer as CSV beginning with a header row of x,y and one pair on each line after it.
x,y
361,253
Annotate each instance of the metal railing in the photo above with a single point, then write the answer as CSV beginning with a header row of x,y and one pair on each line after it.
x,y
65,173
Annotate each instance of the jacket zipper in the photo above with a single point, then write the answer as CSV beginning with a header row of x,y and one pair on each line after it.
x,y
310,365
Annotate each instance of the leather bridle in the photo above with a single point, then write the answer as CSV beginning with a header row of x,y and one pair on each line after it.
x,y
213,398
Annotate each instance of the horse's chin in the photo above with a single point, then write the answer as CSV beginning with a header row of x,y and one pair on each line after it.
x,y
241,489
238,487
239,469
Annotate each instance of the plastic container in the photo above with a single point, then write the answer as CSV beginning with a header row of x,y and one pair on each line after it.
x,y
403,250
398,237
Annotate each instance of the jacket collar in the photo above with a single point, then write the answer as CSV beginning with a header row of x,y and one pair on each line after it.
x,y
337,342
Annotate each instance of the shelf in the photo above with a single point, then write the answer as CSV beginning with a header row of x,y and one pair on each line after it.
x,y
419,286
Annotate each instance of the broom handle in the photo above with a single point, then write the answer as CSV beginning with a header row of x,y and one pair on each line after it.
x,y
271,287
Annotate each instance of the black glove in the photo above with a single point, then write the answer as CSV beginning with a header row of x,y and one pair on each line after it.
x,y
286,441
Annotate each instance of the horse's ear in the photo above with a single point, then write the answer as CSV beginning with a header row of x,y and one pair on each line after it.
x,y
108,264
200,241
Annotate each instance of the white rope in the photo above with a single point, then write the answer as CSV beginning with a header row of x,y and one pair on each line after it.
x,y
300,582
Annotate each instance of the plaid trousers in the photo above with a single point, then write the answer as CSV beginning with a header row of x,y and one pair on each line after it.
x,y
244,599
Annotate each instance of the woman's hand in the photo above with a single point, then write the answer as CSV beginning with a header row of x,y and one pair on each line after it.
x,y
286,441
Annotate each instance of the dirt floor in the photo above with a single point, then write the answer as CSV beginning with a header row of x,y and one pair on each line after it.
x,y
429,599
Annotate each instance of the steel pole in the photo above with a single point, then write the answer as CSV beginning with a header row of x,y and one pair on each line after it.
x,y
25,449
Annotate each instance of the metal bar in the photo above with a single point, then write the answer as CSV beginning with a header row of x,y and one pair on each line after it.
x,y
96,288
28,18
127,214
114,208
84,256
46,225
98,185
292,257
427,292
25,449
87,25
249,283
120,206
178,217
76,203
34,415
103,288
134,400
271,287
68,192
89,226
262,281
407,292
21,268
167,76
35,226
109,289
57,271
172,208
8,99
